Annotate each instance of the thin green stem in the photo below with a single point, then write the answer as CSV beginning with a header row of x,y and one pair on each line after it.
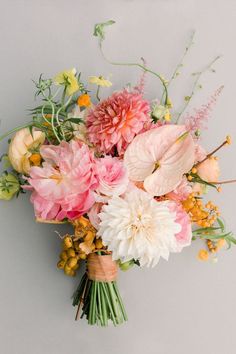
x,y
195,84
144,68
16,130
180,64
97,93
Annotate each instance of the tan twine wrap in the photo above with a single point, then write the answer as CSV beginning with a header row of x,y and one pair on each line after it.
x,y
101,268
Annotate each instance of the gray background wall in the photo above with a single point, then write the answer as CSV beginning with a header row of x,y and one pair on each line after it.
x,y
177,308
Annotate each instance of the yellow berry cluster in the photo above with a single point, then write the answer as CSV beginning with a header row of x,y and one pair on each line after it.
x,y
77,247
213,247
202,214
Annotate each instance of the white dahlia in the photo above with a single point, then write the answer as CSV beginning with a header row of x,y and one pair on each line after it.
x,y
138,227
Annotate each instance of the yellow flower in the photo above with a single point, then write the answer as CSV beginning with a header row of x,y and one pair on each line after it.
x,y
203,255
167,116
69,80
100,81
23,145
84,100
9,186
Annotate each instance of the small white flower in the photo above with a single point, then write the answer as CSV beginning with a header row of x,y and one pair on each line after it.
x,y
138,227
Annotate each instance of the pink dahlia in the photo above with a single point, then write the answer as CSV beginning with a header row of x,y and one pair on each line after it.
x,y
63,187
114,122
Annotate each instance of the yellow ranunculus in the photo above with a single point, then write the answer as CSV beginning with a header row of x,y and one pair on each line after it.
x,y
68,79
9,186
100,81
21,148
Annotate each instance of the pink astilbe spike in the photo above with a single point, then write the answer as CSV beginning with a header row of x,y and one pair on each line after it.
x,y
141,84
198,119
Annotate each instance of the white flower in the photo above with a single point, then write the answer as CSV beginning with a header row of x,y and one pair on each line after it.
x,y
138,227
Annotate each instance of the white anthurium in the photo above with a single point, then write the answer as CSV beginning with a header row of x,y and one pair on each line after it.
x,y
160,157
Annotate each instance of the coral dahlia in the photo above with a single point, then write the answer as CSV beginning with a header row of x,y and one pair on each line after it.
x,y
115,121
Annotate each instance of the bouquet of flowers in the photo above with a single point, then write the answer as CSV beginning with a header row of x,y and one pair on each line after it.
x,y
130,175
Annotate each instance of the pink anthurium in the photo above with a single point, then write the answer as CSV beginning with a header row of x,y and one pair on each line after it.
x,y
160,157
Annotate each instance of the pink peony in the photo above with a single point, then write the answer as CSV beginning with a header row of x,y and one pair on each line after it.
x,y
67,179
112,175
114,122
184,236
44,209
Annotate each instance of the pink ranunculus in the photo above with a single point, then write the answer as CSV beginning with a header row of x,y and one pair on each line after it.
x,y
184,237
112,175
67,178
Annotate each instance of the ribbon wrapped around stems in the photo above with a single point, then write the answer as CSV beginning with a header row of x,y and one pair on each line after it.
x,y
98,293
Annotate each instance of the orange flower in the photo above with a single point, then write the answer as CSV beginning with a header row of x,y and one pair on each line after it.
x,y
84,100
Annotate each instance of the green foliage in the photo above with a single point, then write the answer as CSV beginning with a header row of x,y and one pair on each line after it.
x,y
215,233
99,29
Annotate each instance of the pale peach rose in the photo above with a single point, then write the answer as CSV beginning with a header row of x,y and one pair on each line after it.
x,y
209,170
22,145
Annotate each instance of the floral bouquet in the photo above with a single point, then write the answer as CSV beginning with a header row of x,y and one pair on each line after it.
x,y
128,174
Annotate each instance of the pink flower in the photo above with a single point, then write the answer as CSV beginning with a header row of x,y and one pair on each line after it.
x,y
44,209
93,214
112,175
199,118
66,181
160,157
181,192
208,170
114,122
184,236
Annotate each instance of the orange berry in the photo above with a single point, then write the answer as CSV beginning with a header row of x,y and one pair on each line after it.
x,y
35,159
219,189
194,170
221,243
83,221
84,100
228,139
203,255
98,243
190,178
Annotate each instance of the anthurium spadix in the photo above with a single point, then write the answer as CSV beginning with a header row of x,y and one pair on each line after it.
x,y
160,157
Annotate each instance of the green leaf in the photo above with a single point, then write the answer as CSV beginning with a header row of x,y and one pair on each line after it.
x,y
74,120
221,224
99,29
187,98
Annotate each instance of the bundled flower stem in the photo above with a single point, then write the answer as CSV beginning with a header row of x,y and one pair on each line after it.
x,y
98,292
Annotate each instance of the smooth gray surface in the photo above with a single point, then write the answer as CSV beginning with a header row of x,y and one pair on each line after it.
x,y
180,307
